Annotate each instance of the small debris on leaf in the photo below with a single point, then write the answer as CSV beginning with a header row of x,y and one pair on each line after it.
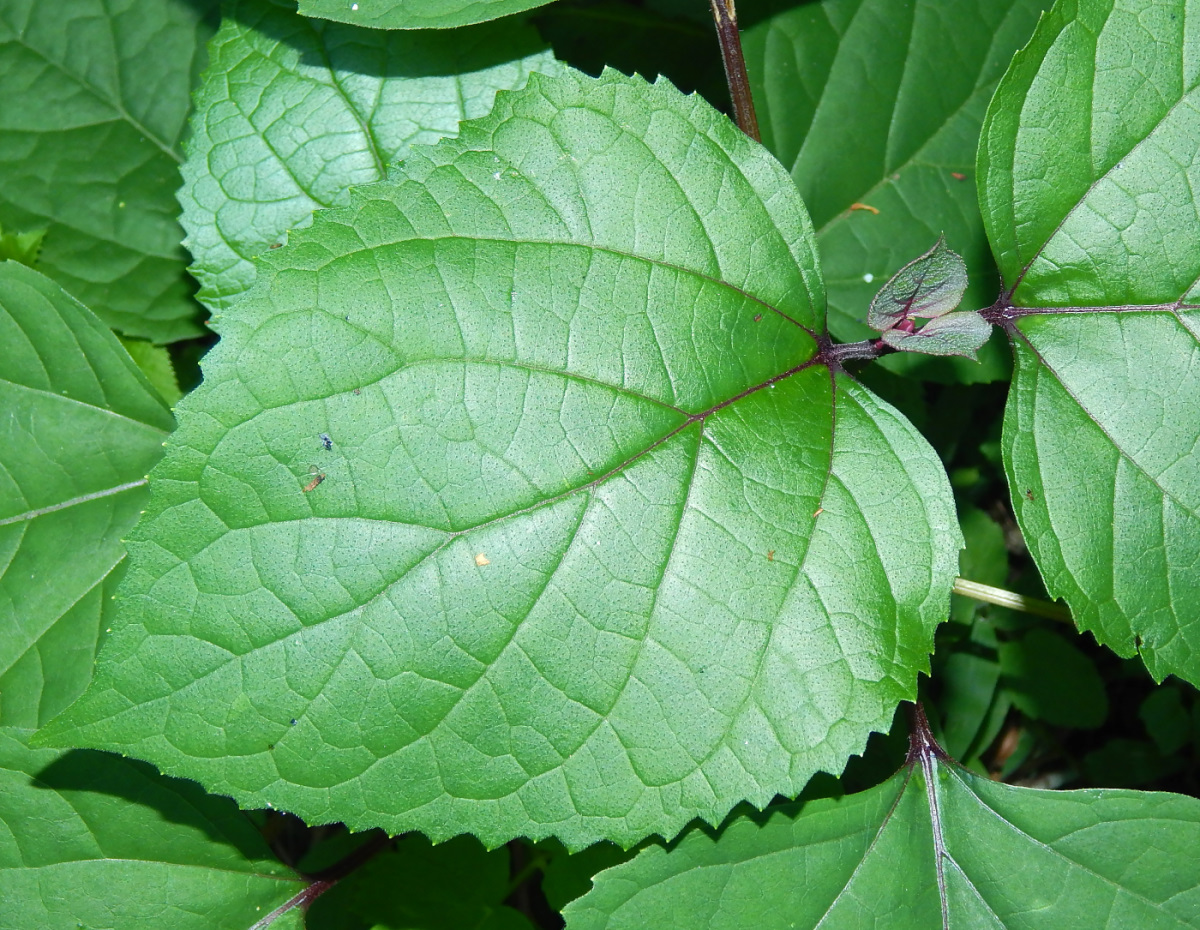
x,y
864,206
770,555
958,175
326,441
318,477
481,559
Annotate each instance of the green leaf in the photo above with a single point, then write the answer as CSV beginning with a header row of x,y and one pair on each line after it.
x,y
928,287
1167,721
81,428
453,885
293,111
155,363
961,333
415,14
93,840
21,247
991,856
879,103
569,876
968,685
1088,168
96,99
1052,680
585,555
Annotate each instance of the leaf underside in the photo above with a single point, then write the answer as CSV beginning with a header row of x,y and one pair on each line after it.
x,y
276,136
81,428
596,545
95,102
1010,858
1088,173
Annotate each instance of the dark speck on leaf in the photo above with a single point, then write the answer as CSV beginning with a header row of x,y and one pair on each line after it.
x,y
757,317
326,441
1029,494
293,721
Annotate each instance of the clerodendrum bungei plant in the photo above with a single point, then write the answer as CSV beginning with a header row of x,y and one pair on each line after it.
x,y
541,486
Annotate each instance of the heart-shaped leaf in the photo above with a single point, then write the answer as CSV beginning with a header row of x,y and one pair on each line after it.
x,y
81,428
415,14
92,840
293,111
1089,169
875,107
518,499
934,846
95,101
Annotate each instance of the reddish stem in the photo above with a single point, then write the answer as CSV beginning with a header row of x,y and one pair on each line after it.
x,y
725,16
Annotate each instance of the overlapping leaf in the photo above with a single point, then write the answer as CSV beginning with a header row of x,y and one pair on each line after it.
x,y
453,885
517,499
415,14
875,107
294,111
93,840
81,428
95,102
1088,176
959,851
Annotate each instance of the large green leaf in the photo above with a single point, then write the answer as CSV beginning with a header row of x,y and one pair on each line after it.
x,y
517,499
879,103
1088,172
93,840
293,111
934,846
81,428
415,14
95,101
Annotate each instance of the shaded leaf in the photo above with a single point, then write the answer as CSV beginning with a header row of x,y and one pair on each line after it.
x,y
878,102
453,885
1052,680
1088,172
291,112
414,14
155,363
1005,857
82,77
93,840
81,428
589,558
968,684
21,247
1167,721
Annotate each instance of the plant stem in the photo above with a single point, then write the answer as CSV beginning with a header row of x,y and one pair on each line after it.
x,y
725,16
1010,599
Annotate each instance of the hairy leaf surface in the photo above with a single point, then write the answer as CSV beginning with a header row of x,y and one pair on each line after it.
x,y
1089,169
517,499
1009,858
95,102
293,111
875,106
93,840
81,427
415,14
